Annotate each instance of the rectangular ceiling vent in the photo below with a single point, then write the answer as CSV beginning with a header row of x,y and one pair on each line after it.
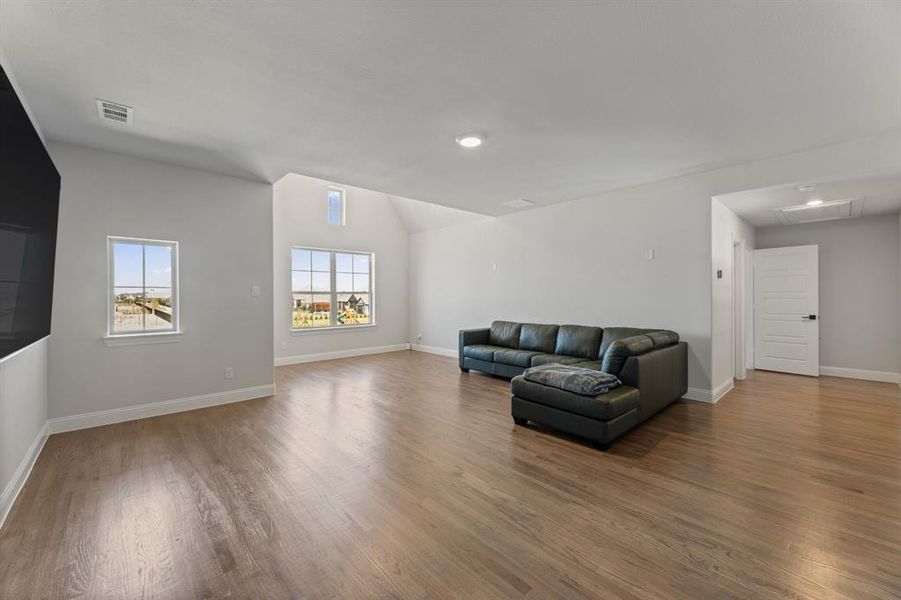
x,y
827,211
115,112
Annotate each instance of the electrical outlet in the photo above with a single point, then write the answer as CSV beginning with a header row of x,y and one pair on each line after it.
x,y
419,337
649,254
229,373
255,291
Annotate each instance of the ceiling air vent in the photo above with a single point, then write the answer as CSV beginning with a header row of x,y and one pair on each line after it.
x,y
827,211
113,111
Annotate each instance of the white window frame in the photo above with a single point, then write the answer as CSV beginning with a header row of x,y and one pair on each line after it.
x,y
117,338
333,292
343,216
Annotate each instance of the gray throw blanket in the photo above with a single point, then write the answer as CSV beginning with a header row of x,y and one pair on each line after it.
x,y
585,382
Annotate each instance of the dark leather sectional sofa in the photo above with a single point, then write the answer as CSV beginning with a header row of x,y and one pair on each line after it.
x,y
651,363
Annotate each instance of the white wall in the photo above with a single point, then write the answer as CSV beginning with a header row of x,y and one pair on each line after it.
x,y
859,288
23,393
224,229
729,228
583,262
577,262
23,414
372,225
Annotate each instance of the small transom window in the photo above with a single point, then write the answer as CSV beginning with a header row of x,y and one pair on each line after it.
x,y
335,206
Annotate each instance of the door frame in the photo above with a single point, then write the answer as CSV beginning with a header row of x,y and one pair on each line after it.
x,y
739,310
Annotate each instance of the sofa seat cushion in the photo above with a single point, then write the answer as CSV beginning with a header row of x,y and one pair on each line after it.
x,y
605,407
520,358
589,364
546,359
481,351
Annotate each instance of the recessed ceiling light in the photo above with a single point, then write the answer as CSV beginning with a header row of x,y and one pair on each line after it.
x,y
470,140
809,187
815,202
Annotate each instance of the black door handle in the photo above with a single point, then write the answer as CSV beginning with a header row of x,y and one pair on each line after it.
x,y
810,317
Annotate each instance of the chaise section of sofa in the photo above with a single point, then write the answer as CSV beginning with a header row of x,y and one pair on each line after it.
x,y
651,363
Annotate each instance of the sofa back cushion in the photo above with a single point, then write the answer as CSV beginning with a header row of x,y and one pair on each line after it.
x,y
535,336
504,333
611,334
620,350
578,340
664,338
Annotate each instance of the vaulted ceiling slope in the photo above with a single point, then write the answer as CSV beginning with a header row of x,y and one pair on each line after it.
x,y
574,98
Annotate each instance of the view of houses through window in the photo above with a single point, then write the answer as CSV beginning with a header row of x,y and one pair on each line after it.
x,y
330,288
142,275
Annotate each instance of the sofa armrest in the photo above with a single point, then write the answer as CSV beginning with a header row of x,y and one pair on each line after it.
x,y
469,337
660,375
615,357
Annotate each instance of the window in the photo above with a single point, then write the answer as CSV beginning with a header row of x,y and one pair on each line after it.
x,y
335,206
143,286
331,288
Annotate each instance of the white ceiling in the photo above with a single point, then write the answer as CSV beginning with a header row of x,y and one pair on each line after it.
x,y
576,98
421,216
881,194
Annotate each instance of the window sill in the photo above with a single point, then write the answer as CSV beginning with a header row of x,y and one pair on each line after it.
x,y
136,339
333,329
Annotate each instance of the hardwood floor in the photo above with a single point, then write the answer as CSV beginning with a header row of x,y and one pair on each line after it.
x,y
397,476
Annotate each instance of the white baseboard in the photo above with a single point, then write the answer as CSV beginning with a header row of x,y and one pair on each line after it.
x,y
15,485
884,376
698,395
710,396
305,358
155,409
723,389
435,350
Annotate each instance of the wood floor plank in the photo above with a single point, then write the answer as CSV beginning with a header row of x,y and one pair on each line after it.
x,y
396,476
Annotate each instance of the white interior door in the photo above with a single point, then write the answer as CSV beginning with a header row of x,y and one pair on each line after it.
x,y
786,310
